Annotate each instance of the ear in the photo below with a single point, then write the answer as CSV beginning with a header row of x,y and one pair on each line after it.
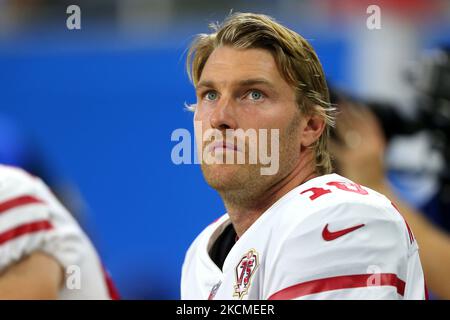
x,y
312,130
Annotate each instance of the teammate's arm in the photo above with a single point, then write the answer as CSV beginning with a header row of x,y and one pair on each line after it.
x,y
37,276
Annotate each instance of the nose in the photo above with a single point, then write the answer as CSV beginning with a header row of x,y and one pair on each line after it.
x,y
223,116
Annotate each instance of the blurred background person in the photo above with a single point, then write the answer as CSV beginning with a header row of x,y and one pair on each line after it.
x,y
100,105
366,132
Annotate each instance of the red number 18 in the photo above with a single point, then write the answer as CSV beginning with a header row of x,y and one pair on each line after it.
x,y
345,186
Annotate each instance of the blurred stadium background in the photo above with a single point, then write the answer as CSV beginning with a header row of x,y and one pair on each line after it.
x,y
92,110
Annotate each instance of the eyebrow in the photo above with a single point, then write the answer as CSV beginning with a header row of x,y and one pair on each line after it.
x,y
242,83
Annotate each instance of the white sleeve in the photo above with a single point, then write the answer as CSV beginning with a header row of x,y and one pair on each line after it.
x,y
415,285
31,219
374,261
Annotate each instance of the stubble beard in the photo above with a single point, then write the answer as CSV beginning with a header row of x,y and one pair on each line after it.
x,y
243,185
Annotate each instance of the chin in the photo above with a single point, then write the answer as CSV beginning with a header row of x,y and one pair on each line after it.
x,y
223,176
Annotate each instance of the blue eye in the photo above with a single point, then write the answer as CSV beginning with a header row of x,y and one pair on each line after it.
x,y
256,95
211,95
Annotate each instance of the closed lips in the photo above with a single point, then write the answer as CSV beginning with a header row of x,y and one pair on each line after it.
x,y
222,145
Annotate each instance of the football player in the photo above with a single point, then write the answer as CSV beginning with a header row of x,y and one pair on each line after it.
x,y
302,232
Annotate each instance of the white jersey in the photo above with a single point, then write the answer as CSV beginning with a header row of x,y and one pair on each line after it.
x,y
32,219
328,238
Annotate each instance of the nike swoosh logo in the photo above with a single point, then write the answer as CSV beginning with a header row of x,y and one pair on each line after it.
x,y
330,236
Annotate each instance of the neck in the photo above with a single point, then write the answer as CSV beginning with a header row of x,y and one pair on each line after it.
x,y
243,215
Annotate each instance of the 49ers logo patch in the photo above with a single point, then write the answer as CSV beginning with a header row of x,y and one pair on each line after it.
x,y
244,271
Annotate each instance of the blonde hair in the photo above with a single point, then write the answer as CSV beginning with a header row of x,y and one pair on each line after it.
x,y
295,58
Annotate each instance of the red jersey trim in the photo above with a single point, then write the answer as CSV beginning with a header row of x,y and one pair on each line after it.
x,y
341,282
17,202
25,229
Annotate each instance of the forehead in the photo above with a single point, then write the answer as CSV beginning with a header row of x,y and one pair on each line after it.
x,y
227,64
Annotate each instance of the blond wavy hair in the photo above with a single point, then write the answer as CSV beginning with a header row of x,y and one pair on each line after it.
x,y
296,60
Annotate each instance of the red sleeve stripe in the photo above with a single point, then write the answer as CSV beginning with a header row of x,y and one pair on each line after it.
x,y
17,202
25,229
341,282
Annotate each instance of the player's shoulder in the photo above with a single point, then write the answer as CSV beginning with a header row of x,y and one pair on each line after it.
x,y
333,193
22,192
15,181
340,203
14,175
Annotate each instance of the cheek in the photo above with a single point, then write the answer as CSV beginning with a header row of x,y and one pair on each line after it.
x,y
283,119
201,113
196,115
284,111
200,119
293,131
201,125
